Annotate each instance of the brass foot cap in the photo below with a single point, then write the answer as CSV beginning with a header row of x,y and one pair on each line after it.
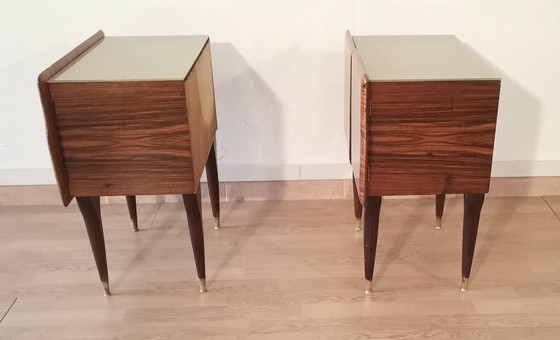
x,y
368,286
106,290
202,284
217,225
135,229
465,284
438,222
358,224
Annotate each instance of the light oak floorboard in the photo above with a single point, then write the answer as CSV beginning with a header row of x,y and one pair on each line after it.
x,y
283,270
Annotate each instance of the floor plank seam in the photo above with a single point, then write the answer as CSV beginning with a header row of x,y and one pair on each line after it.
x,y
155,215
554,212
3,316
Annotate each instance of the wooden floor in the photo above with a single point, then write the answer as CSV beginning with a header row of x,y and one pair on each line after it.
x,y
283,270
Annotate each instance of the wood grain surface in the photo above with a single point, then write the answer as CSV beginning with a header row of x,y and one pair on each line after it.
x,y
124,138
431,137
283,270
201,111
348,50
49,112
359,124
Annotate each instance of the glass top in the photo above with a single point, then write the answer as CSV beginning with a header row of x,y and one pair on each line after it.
x,y
421,58
149,58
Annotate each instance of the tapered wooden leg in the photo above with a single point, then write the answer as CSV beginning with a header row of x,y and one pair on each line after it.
x,y
213,185
91,212
131,202
357,205
371,228
194,217
440,202
473,205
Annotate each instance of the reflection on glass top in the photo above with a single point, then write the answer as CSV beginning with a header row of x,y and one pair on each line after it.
x,y
421,58
135,59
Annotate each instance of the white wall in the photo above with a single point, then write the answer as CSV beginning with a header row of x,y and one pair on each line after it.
x,y
278,69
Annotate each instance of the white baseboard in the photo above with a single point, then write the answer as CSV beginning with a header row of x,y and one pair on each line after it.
x,y
277,190
290,172
27,177
227,173
526,169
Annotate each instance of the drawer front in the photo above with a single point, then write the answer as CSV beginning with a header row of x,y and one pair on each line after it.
x,y
431,137
124,138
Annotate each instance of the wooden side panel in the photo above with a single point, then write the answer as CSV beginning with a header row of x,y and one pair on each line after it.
x,y
431,137
349,49
49,112
359,123
124,138
201,111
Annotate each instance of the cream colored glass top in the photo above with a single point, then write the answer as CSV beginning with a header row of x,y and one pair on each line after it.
x,y
420,58
135,59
